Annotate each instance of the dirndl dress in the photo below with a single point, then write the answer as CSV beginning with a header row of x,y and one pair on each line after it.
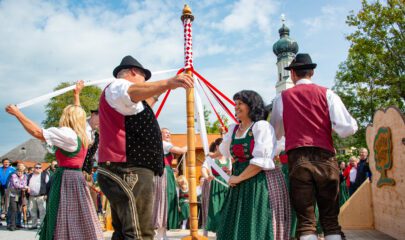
x,y
70,212
217,198
253,209
184,205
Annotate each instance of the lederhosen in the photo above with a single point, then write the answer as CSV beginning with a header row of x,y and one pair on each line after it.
x,y
129,184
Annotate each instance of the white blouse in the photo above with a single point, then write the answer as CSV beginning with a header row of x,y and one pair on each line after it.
x,y
64,138
166,147
116,94
208,166
265,144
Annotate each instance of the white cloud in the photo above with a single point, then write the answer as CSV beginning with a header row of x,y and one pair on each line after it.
x,y
45,43
248,15
331,18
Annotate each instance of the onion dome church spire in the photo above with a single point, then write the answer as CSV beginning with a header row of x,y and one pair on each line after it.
x,y
285,49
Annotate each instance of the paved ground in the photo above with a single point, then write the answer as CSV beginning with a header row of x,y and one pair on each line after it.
x,y
25,234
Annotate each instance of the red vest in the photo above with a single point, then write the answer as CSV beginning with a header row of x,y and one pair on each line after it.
x,y
306,117
112,129
75,161
132,140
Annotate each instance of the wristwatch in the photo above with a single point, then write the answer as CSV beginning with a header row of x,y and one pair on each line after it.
x,y
156,97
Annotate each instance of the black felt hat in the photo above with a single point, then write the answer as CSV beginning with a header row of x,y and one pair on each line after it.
x,y
301,61
130,62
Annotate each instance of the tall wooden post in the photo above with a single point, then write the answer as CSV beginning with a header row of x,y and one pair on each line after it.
x,y
187,19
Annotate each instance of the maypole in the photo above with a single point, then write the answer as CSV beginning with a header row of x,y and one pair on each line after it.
x,y
187,19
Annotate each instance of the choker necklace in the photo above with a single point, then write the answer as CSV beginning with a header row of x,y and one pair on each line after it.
x,y
241,128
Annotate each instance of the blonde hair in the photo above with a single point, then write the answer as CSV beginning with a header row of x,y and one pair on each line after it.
x,y
182,178
74,117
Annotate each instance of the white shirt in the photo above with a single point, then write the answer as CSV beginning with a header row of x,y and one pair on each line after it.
x,y
353,174
265,144
63,137
166,147
89,132
342,122
116,94
35,183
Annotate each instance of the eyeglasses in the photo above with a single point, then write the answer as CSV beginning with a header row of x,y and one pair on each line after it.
x,y
37,167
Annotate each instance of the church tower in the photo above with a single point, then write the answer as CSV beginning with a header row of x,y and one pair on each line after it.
x,y
285,49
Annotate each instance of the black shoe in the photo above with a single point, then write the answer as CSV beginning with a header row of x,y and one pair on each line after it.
x,y
19,226
11,228
33,228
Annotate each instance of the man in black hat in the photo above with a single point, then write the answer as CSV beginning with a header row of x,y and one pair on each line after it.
x,y
130,149
306,115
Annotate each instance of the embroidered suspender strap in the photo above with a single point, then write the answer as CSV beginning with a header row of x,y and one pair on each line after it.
x,y
128,191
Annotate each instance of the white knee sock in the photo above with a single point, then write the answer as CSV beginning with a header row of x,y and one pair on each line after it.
x,y
333,237
184,225
309,237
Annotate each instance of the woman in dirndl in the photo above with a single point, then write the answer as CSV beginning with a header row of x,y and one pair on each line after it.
x,y
69,202
257,205
165,211
218,191
184,206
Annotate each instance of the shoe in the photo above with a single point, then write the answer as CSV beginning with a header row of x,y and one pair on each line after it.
x,y
19,226
11,228
33,228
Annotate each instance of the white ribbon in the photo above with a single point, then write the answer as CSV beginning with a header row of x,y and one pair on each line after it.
x,y
204,138
199,116
67,89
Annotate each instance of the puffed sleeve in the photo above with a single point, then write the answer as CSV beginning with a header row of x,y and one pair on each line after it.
x,y
265,145
205,164
116,94
224,148
166,147
63,137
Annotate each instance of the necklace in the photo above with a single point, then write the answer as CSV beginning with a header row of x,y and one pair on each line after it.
x,y
242,129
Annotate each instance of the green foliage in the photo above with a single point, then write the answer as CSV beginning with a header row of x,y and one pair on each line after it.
x,y
213,127
372,77
89,98
343,158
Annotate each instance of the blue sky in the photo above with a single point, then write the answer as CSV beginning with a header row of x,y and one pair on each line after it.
x,y
48,42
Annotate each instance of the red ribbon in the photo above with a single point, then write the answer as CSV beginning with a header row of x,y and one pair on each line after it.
x,y
214,92
166,96
222,104
215,111
162,104
212,87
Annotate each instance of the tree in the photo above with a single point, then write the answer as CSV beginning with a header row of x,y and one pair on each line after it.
x,y
213,127
372,76
89,98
